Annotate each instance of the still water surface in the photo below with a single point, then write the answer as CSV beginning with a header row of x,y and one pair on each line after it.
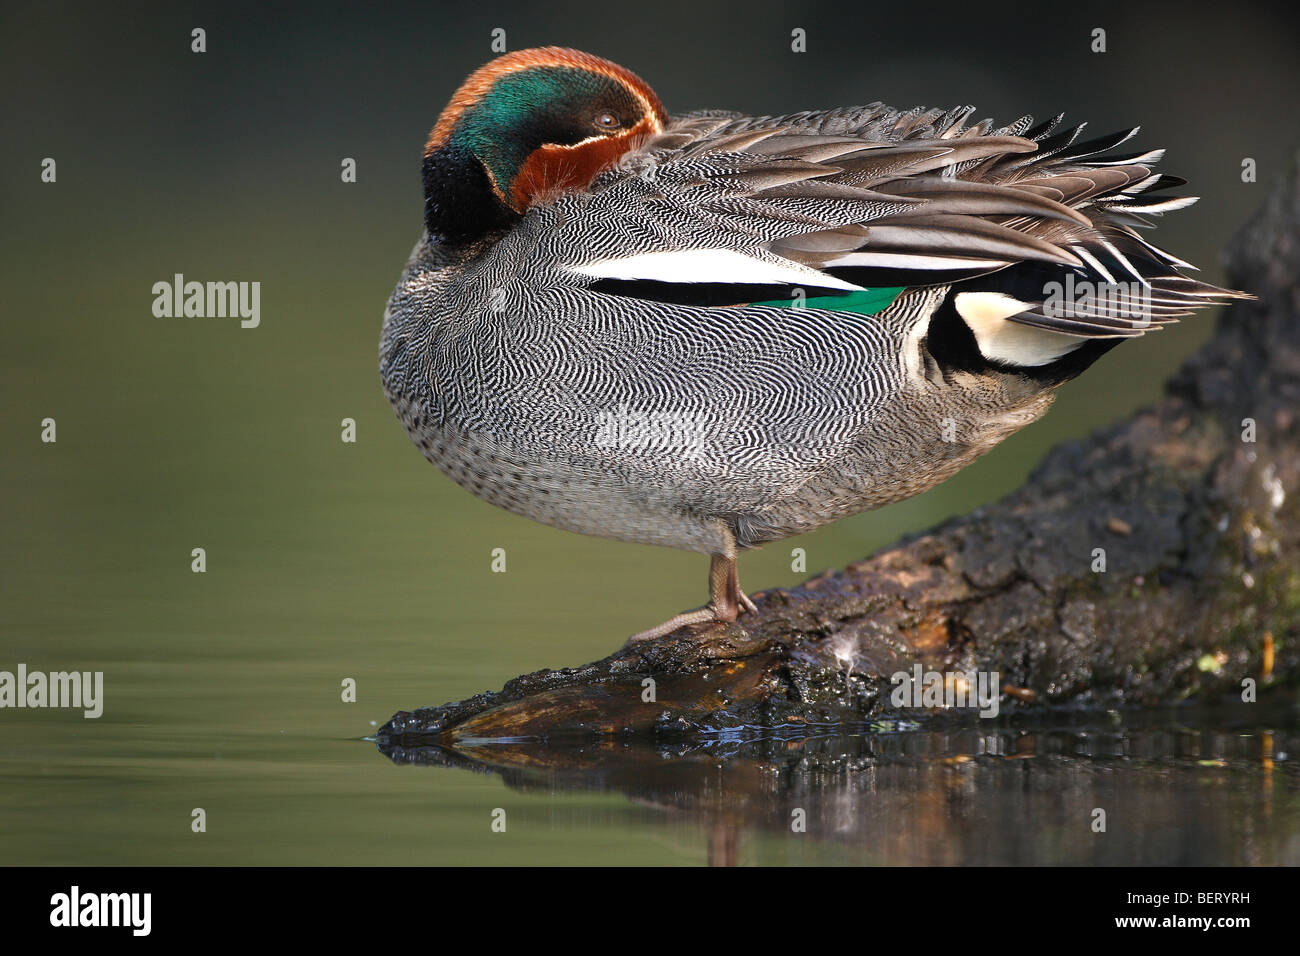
x,y
1178,787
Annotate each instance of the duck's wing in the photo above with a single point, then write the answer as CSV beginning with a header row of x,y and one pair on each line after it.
x,y
846,206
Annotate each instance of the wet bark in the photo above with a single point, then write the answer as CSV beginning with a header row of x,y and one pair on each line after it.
x,y
1199,525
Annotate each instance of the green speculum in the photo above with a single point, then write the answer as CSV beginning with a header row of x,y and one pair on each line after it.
x,y
866,302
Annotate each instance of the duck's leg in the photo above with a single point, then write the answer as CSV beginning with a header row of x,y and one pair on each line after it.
x,y
736,595
726,601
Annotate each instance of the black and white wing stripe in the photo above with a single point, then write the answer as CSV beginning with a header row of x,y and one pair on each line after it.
x,y
727,210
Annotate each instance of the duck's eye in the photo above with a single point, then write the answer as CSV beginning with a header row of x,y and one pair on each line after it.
x,y
606,121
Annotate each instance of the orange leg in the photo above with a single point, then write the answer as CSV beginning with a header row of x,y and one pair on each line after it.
x,y
726,601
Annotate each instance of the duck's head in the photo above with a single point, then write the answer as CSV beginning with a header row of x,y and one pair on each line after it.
x,y
527,126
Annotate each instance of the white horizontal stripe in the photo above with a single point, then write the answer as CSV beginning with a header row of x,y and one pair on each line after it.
x,y
905,260
709,265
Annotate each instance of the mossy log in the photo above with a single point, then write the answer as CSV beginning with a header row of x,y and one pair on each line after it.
x,y
1195,503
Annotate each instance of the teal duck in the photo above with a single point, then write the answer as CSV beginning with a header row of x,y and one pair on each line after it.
x,y
710,331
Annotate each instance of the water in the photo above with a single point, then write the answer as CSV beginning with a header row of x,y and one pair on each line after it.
x,y
1178,787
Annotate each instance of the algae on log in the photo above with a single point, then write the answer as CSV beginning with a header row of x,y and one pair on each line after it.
x,y
1200,527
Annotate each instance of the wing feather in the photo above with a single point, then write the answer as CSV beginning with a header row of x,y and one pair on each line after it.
x,y
918,198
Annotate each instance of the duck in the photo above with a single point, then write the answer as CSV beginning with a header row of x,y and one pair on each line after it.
x,y
710,331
